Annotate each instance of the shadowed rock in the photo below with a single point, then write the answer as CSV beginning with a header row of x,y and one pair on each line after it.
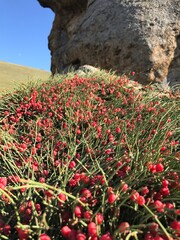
x,y
123,35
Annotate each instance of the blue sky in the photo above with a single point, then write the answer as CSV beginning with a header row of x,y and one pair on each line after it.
x,y
24,29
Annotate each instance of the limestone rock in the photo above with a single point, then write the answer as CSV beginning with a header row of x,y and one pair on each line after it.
x,y
122,35
87,69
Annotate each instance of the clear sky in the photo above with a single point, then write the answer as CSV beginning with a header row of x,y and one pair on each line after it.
x,y
24,29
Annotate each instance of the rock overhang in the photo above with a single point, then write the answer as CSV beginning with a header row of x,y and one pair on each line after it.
x,y
121,35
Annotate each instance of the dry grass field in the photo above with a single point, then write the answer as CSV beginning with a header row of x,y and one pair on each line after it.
x,y
11,75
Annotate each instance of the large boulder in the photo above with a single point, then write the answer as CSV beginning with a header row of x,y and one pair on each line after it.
x,y
123,35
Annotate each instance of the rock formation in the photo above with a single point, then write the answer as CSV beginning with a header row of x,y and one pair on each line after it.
x,y
123,35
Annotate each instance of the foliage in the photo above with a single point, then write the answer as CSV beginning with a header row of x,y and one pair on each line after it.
x,y
89,158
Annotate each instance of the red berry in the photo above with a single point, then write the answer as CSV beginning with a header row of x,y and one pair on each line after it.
x,y
72,165
62,197
112,198
44,236
13,179
77,176
3,182
159,167
109,189
123,227
86,193
38,207
153,131
108,151
157,237
169,134
23,146
149,236
80,236
108,131
106,236
92,231
94,238
72,235
124,187
22,233
177,211
175,225
144,191
42,180
118,130
152,168
38,139
65,231
153,228
7,229
78,131
134,195
141,200
165,183
163,149
78,211
164,191
99,218
159,206
87,215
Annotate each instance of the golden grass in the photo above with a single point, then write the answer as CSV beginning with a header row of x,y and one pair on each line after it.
x,y
12,75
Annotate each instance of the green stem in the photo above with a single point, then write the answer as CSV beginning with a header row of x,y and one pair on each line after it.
x,y
160,224
32,184
7,195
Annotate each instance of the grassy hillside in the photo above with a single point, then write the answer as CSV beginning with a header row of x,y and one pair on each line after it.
x,y
11,75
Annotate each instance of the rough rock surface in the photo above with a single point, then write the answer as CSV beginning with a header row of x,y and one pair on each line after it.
x,y
123,35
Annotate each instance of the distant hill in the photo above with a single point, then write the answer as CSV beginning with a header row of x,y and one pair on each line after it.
x,y
11,75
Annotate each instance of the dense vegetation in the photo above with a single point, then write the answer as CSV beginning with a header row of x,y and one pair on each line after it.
x,y
89,158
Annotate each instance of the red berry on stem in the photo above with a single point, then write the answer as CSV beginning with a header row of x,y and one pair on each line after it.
x,y
176,226
62,197
22,233
44,236
112,198
106,236
72,235
123,227
148,236
124,187
153,228
78,211
118,130
65,231
165,183
3,182
7,229
99,218
144,191
134,195
92,230
159,206
157,237
164,191
141,200
87,215
80,236
159,167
